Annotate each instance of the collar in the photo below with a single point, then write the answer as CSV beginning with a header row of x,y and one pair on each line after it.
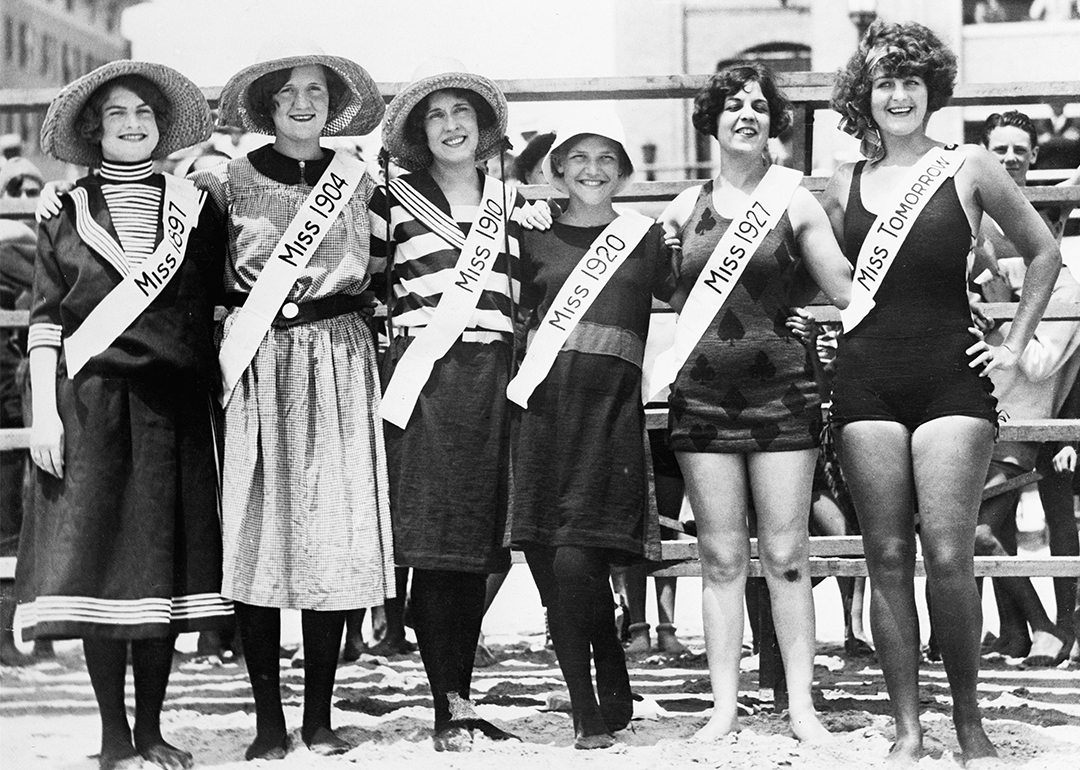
x,y
281,168
113,171
426,185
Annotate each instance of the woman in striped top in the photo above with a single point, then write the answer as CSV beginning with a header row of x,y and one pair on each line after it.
x,y
449,457
122,545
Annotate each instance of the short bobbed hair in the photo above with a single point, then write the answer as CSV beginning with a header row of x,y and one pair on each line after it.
x,y
893,50
260,96
1013,118
414,124
709,102
88,124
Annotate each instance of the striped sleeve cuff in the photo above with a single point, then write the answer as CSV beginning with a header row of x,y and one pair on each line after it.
x,y
44,335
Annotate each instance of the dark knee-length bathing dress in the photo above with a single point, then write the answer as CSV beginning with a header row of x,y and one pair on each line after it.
x,y
127,545
580,456
748,385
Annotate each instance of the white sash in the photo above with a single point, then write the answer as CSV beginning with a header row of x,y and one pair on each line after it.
x,y
180,209
456,305
288,259
581,288
722,272
892,227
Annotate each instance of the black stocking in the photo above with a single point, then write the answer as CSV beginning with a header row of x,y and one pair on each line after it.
x,y
106,662
447,609
260,633
322,642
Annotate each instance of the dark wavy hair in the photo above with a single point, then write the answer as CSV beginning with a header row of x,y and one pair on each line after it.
x,y
88,124
414,124
1013,118
892,50
709,102
260,95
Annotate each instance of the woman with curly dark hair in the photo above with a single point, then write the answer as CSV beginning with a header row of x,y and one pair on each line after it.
x,y
744,410
912,405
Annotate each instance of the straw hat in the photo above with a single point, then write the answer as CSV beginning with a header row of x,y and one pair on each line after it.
x,y
356,116
435,75
596,120
190,124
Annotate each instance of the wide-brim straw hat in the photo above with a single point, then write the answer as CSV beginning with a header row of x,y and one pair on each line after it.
x,y
356,116
595,120
436,75
191,121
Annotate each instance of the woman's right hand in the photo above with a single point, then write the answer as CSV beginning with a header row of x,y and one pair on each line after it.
x,y
49,203
47,443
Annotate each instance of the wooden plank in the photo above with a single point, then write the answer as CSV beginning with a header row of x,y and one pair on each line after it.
x,y
985,566
1008,486
14,438
14,318
810,89
1040,431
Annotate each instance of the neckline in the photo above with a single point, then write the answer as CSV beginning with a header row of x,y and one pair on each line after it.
x,y
119,171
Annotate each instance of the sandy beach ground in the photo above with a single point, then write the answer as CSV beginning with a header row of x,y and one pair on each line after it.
x,y
48,718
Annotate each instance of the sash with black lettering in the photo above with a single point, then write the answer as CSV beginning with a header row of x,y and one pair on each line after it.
x,y
585,282
892,227
722,272
456,304
181,204
301,238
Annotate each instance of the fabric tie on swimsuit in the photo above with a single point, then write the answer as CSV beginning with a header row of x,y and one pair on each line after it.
x,y
291,254
458,301
722,272
588,278
892,227
126,302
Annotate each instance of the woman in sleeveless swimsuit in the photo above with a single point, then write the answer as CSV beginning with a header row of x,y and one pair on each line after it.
x,y
912,404
744,408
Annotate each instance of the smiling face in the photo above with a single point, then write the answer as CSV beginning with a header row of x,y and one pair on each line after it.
x,y
302,104
1012,146
743,124
451,128
591,170
898,104
129,132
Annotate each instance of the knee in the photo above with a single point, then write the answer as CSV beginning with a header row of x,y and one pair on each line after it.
x,y
892,559
724,563
947,564
785,561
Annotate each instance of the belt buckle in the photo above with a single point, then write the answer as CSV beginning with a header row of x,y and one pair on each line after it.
x,y
290,310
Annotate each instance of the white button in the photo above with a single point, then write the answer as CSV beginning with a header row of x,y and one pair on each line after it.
x,y
290,310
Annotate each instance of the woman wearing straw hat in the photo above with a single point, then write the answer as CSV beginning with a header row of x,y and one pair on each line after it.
x,y
306,518
580,494
122,545
454,239
744,408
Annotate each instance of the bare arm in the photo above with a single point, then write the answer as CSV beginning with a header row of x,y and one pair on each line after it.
x,y
1002,200
826,262
834,200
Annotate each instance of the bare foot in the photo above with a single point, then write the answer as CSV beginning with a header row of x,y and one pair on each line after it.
x,y
807,727
717,727
907,751
167,756
974,745
588,742
120,761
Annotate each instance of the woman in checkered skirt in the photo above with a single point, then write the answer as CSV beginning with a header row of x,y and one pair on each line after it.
x,y
306,512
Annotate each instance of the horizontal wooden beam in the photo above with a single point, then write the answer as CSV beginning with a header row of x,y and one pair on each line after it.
x,y
985,566
806,89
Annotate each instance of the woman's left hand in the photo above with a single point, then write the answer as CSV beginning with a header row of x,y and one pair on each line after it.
x,y
988,356
536,216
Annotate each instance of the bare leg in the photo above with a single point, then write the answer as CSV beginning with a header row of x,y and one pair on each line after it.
x,y
1055,491
876,457
781,484
950,455
718,490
